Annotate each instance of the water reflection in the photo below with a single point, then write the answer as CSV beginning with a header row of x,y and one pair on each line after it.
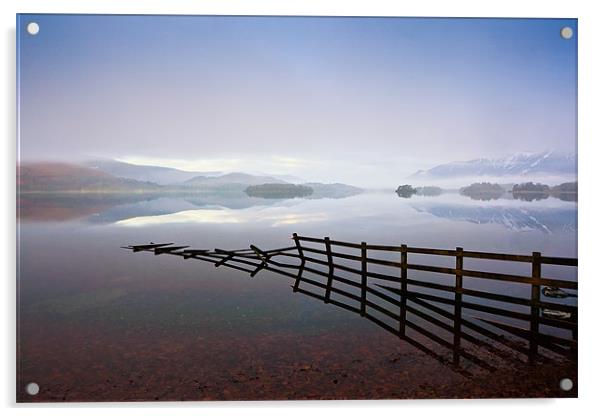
x,y
478,332
532,196
547,220
90,293
113,207
543,215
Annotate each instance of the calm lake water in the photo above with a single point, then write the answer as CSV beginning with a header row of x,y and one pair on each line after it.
x,y
97,322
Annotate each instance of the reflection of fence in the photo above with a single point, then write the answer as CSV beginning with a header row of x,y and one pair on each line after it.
x,y
415,304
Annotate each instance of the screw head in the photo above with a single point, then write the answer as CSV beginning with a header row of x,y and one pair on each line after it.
x,y
566,384
32,389
33,28
566,32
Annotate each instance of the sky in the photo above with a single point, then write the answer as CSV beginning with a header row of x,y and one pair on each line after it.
x,y
355,100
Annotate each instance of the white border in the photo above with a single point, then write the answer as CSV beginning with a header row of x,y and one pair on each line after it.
x,y
590,72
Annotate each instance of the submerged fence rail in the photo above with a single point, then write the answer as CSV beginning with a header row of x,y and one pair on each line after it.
x,y
389,295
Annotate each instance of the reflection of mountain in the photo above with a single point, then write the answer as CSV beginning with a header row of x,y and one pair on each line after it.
x,y
69,207
547,220
548,163
166,205
107,208
151,207
279,191
312,190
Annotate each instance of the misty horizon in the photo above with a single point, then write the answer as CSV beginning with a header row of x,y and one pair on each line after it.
x,y
308,171
358,101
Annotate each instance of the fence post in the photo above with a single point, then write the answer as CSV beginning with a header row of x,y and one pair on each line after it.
x,y
404,289
535,298
458,305
364,277
330,269
302,265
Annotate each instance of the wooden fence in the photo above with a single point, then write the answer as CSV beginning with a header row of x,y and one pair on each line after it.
x,y
404,297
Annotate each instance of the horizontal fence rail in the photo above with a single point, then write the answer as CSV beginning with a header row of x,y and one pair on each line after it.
x,y
405,304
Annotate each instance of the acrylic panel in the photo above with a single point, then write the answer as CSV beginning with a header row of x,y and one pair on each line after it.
x,y
287,208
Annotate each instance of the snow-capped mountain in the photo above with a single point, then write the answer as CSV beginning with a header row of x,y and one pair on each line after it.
x,y
518,165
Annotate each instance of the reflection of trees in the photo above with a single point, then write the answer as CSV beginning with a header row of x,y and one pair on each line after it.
x,y
529,196
279,191
569,196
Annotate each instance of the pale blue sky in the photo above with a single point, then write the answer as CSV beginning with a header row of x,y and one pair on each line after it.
x,y
322,98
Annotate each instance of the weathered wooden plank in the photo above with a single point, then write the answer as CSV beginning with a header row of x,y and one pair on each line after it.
x,y
435,269
433,251
302,265
520,279
403,289
535,293
446,252
145,247
330,267
224,260
162,250
458,304
497,256
310,239
559,261
364,277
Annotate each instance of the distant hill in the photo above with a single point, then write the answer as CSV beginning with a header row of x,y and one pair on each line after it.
x,y
521,164
64,177
231,181
286,178
95,177
156,174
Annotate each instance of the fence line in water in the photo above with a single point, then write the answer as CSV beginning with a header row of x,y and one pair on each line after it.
x,y
393,300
